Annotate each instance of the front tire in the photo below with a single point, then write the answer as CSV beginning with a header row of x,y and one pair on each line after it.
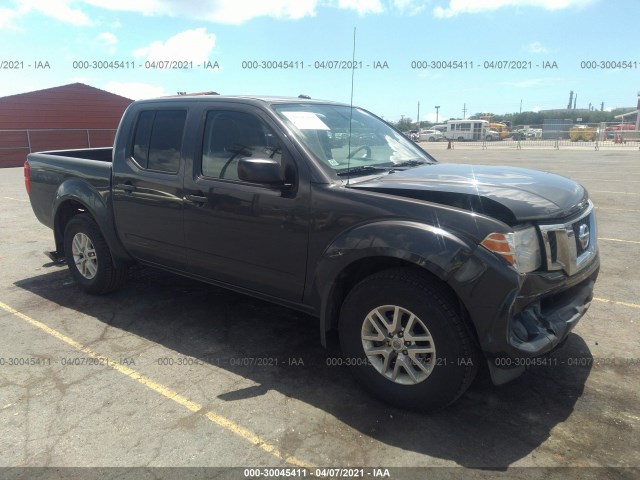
x,y
405,340
89,258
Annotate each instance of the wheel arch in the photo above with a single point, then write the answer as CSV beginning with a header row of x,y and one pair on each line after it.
x,y
433,253
76,197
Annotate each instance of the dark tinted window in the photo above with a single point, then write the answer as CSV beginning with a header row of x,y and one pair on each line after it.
x,y
143,135
158,139
230,136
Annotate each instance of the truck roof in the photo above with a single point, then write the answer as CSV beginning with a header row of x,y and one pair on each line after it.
x,y
249,99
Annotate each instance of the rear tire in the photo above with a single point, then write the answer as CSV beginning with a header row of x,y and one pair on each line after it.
x,y
405,340
89,258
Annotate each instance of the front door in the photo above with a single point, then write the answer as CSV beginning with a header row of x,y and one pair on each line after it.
x,y
251,236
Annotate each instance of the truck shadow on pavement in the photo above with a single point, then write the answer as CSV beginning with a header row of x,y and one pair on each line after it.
x,y
489,427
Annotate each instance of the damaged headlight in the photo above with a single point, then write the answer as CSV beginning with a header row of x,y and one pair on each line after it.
x,y
519,248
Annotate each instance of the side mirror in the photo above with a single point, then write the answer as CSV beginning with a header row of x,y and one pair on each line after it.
x,y
260,170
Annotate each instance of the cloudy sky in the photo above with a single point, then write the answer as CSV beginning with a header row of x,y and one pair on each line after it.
x,y
491,55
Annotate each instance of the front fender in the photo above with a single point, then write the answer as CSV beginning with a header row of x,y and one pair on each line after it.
x,y
425,246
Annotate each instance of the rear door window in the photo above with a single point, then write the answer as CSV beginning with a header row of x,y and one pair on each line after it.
x,y
157,142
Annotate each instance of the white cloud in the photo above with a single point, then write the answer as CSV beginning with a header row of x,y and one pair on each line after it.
x,y
361,6
218,11
108,40
8,18
136,90
191,45
537,47
60,10
410,7
457,7
221,11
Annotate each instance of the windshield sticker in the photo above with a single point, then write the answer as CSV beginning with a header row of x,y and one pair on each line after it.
x,y
306,120
333,163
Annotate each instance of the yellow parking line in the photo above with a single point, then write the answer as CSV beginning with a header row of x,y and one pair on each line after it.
x,y
617,240
601,180
618,209
167,392
620,193
624,304
15,199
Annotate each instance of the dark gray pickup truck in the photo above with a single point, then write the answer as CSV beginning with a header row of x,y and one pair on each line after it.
x,y
424,269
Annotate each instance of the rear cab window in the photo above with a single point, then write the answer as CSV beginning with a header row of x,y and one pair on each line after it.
x,y
157,143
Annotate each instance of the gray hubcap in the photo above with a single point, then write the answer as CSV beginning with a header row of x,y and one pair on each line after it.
x,y
84,256
398,344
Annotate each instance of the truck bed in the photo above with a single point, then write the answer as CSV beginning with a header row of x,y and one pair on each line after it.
x,y
104,154
52,171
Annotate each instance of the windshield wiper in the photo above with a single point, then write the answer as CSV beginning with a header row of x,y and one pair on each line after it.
x,y
410,163
362,169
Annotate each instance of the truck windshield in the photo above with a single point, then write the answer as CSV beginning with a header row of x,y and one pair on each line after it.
x,y
324,129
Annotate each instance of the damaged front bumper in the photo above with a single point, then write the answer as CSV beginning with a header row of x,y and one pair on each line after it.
x,y
547,307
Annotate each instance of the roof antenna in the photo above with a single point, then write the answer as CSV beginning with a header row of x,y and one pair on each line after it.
x,y
353,73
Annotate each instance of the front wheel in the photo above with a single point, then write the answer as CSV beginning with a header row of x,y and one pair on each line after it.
x,y
406,341
89,258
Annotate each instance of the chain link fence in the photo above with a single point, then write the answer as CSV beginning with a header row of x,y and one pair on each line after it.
x,y
15,145
559,135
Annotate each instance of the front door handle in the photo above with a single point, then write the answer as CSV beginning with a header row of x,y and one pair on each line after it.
x,y
197,199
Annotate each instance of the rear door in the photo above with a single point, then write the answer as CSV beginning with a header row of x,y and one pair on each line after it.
x,y
148,188
251,236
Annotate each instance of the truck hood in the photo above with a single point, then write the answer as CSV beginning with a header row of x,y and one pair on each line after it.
x,y
510,194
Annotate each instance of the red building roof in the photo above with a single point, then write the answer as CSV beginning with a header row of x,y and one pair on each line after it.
x,y
70,106
70,116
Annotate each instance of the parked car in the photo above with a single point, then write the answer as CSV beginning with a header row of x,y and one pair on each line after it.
x,y
413,135
431,135
492,136
424,269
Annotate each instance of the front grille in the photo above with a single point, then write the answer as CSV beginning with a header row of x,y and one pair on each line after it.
x,y
570,246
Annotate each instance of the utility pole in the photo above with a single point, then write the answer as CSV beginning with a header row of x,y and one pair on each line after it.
x,y
464,112
520,105
418,120
437,107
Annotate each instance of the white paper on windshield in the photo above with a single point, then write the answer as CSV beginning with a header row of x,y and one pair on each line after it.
x,y
306,120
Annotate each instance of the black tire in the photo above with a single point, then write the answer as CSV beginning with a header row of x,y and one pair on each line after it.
x,y
105,276
454,363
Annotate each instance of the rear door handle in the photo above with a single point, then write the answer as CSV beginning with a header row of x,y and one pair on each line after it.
x,y
126,187
197,199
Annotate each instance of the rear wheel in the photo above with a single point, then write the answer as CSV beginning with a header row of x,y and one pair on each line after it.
x,y
89,258
405,340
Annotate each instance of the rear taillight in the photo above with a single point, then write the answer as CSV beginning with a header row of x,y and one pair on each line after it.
x,y
27,177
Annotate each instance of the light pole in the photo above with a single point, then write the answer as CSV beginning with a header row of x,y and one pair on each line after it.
x,y
437,107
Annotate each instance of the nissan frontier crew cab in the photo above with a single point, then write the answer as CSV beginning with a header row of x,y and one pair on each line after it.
x,y
424,269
